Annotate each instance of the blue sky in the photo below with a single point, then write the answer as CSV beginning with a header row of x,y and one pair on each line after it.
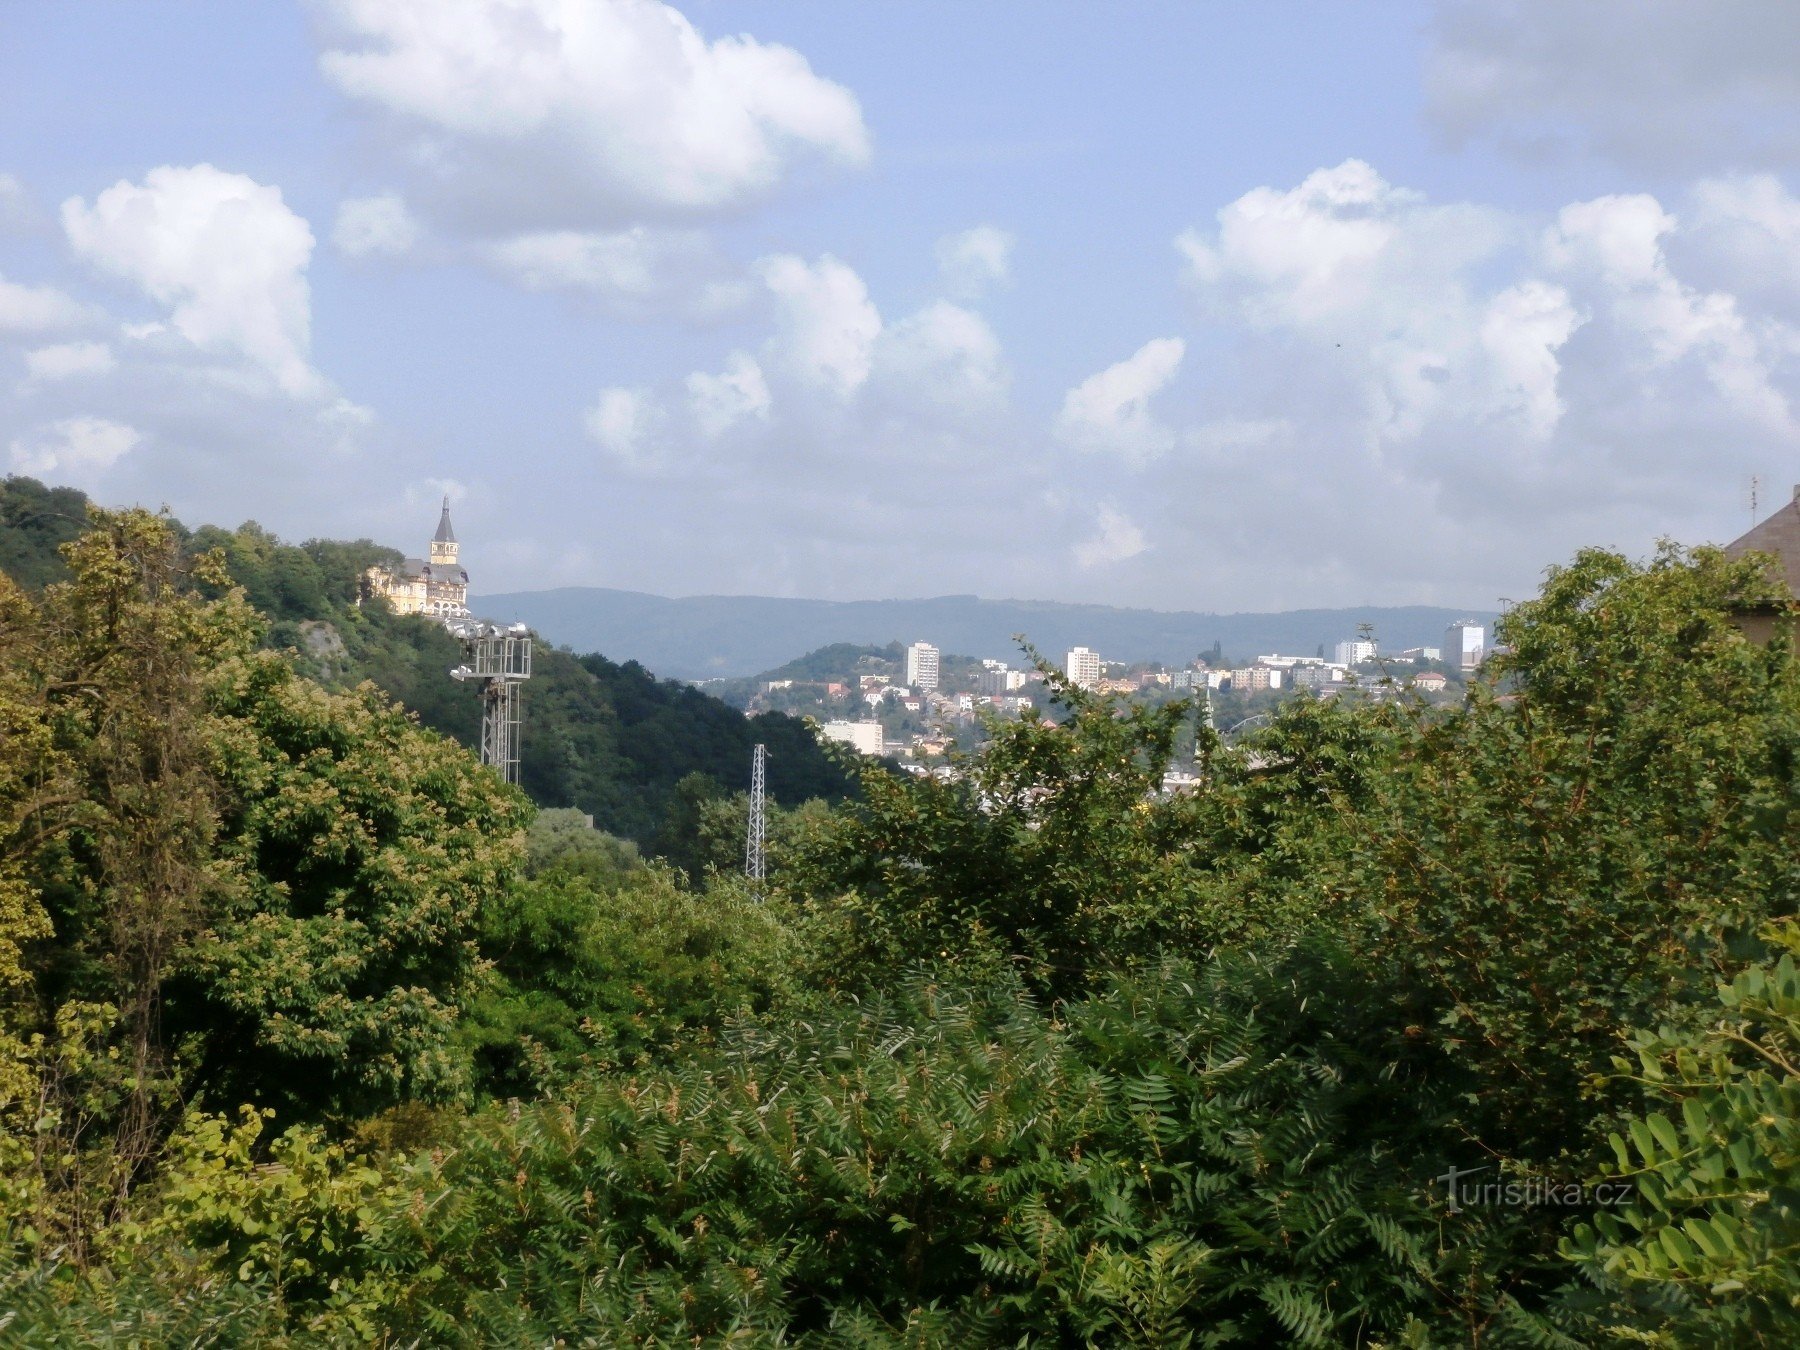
x,y
1177,305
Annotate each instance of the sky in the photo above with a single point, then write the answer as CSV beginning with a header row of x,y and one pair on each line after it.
x,y
1173,305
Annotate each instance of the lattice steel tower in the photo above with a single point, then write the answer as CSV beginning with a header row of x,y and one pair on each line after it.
x,y
755,836
499,661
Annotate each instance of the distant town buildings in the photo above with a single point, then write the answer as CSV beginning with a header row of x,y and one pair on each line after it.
x,y
1083,668
862,736
1422,654
1465,644
922,666
1355,652
437,586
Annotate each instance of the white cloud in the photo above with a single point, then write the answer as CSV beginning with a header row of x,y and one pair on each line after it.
x,y
719,402
826,325
1386,289
1618,240
944,357
222,250
1345,247
635,272
68,359
1109,412
1742,234
622,421
74,449
375,227
535,114
1115,540
38,309
1522,330
974,260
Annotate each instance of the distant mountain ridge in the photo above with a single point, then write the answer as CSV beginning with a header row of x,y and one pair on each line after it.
x,y
707,636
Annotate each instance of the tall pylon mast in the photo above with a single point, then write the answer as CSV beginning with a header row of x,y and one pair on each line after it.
x,y
499,661
756,835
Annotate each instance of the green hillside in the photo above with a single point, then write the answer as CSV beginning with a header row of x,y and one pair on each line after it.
x,y
604,737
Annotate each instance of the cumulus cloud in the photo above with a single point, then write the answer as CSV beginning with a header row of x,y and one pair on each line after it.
x,y
375,227
622,422
1115,539
37,310
73,449
1392,378
945,357
719,402
974,260
1658,84
68,359
577,114
826,325
222,250
634,272
1619,240
1389,285
1109,412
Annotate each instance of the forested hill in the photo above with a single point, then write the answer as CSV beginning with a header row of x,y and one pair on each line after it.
x,y
606,738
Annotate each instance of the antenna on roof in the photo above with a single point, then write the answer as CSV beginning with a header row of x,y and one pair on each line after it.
x,y
1755,495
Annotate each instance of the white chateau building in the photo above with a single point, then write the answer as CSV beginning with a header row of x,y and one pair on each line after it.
x,y
437,586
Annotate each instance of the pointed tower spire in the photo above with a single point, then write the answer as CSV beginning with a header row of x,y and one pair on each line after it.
x,y
443,544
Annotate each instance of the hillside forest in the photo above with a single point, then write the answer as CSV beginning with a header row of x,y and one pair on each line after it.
x,y
1408,1026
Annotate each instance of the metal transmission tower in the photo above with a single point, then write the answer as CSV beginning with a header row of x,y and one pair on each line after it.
x,y
755,861
499,661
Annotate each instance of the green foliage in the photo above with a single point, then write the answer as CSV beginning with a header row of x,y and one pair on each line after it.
x,y
258,891
1712,1232
35,522
1052,849
1184,1158
366,849
588,975
1036,1054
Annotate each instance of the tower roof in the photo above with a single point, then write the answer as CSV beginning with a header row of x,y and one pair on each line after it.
x,y
444,535
1779,535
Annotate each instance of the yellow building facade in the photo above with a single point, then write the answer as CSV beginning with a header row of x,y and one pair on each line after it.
x,y
435,585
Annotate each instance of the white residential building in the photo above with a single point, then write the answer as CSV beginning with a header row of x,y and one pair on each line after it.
x,y
922,666
1355,652
1083,668
1465,644
1275,661
863,736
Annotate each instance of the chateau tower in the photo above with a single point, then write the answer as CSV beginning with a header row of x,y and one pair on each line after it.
x,y
438,587
443,544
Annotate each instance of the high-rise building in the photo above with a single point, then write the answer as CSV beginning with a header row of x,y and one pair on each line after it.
x,y
863,736
1083,668
922,667
1355,652
1465,644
